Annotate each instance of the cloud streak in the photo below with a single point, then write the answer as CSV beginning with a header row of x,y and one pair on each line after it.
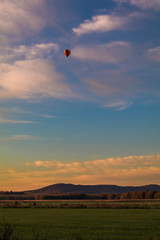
x,y
12,121
118,105
22,138
143,4
16,111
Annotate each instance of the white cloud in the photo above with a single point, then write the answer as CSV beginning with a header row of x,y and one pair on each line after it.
x,y
19,18
21,137
32,79
100,23
113,52
154,53
104,23
143,4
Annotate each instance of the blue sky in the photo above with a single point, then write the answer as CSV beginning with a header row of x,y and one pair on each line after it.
x,y
91,118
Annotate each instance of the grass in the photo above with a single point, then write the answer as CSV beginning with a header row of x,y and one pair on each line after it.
x,y
8,232
85,224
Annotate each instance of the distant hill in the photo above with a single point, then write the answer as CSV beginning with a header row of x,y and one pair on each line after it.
x,y
62,188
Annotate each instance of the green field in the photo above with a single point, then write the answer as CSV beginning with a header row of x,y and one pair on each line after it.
x,y
85,224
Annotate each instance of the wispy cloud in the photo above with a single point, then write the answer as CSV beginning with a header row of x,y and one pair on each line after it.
x,y
109,72
21,138
6,113
32,79
113,52
36,51
119,105
110,82
21,18
23,52
113,86
154,53
14,110
143,4
12,121
47,116
104,23
30,74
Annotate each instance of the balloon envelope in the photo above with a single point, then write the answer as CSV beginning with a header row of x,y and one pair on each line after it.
x,y
67,52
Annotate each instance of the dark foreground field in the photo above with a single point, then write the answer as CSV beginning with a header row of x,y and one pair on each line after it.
x,y
85,224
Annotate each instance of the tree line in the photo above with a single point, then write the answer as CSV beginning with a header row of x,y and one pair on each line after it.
x,y
80,196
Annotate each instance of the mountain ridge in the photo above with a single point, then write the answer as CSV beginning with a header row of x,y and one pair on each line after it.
x,y
63,188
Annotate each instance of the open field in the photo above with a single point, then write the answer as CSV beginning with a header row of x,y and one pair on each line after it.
x,y
85,224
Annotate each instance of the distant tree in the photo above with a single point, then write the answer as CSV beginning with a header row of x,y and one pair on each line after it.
x,y
138,195
150,194
38,196
104,196
113,196
157,195
126,195
118,196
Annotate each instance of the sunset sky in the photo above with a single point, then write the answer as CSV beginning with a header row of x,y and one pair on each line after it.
x,y
91,118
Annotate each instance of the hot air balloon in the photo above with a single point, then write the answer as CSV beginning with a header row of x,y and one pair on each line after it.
x,y
67,52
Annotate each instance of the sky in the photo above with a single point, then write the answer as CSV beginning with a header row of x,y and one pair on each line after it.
x,y
91,118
